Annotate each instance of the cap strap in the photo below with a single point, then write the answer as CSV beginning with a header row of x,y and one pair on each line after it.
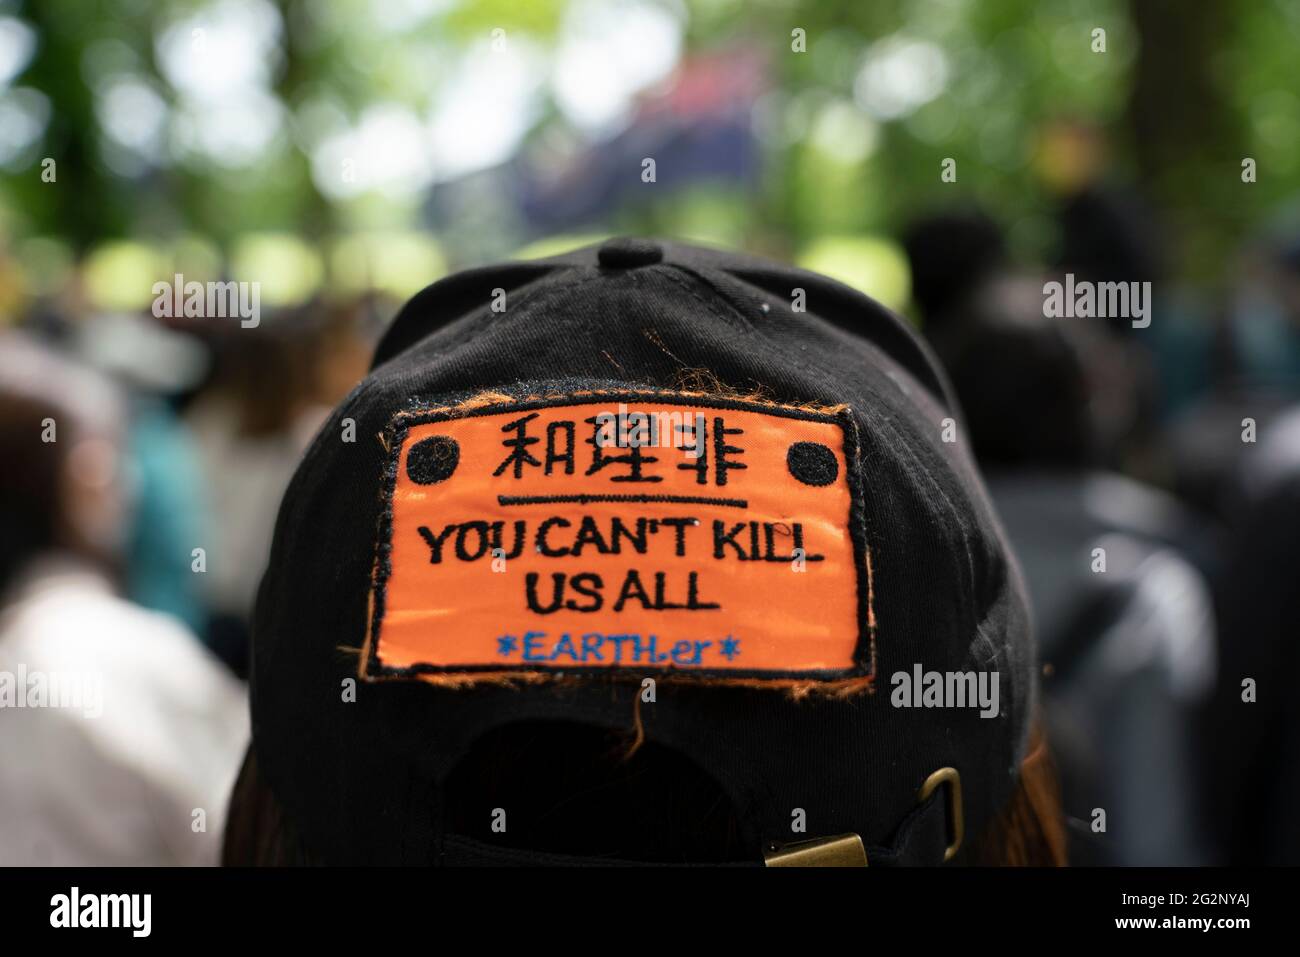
x,y
929,835
460,851
932,833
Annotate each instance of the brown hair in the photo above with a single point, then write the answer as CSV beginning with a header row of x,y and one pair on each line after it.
x,y
1029,831
258,832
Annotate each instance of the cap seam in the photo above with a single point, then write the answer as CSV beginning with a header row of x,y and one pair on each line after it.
x,y
747,325
482,318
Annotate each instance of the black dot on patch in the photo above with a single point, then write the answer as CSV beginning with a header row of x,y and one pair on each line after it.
x,y
812,463
432,460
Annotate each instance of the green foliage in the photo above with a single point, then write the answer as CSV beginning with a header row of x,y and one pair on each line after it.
x,y
833,164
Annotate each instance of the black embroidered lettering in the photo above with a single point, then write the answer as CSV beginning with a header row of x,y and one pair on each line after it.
x,y
542,545
722,453
632,588
589,534
635,459
461,551
519,455
554,457
722,538
693,594
798,544
521,536
590,585
679,526
435,542
557,593
619,531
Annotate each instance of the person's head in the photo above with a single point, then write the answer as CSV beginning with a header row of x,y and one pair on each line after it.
x,y
950,254
1038,392
296,359
61,488
631,560
1264,326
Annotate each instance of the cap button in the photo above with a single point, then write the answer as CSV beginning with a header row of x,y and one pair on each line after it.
x,y
629,253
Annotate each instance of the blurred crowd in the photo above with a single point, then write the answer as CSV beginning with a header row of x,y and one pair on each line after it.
x,y
144,468
1148,480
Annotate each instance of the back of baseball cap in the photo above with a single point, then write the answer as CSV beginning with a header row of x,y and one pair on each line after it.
x,y
654,485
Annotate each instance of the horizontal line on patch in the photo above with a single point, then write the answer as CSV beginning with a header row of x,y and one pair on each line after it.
x,y
589,499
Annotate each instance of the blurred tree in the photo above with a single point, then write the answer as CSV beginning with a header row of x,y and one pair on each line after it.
x,y
854,133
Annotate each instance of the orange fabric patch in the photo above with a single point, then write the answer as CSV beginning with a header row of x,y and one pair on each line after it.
x,y
622,533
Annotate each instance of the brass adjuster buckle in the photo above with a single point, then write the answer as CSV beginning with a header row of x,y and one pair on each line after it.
x,y
843,850
956,823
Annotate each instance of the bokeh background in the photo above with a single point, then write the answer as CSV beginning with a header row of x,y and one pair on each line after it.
x,y
356,146
344,155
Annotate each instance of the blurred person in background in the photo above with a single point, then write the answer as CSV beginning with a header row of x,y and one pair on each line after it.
x,y
1257,373
120,734
1265,320
270,390
951,253
1252,724
1106,230
1124,620
153,364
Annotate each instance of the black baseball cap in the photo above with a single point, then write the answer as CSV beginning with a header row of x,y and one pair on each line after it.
x,y
643,460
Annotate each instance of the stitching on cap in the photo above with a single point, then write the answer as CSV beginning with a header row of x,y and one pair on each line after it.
x,y
483,318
